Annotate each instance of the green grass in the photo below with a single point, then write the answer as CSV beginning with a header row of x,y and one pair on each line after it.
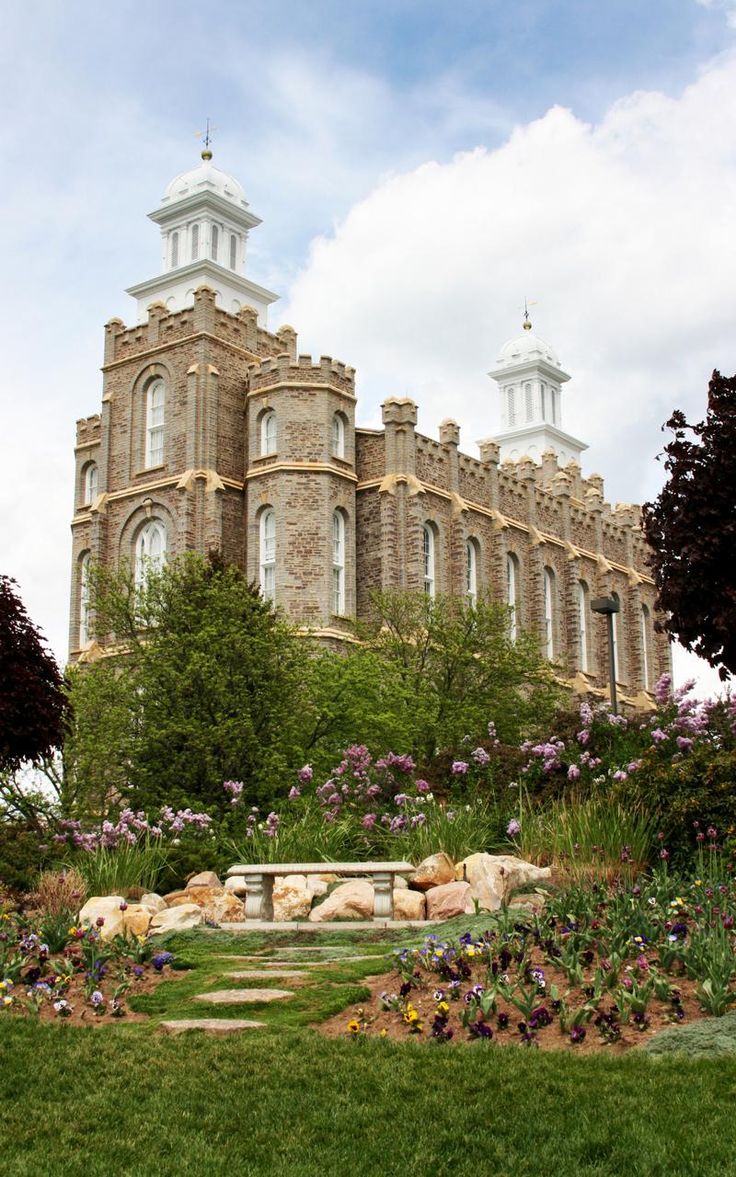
x,y
126,1101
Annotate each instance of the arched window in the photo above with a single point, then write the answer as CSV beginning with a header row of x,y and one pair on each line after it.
x,y
155,398
555,405
215,242
338,435
90,483
338,562
195,242
428,552
646,647
268,432
174,250
528,401
549,613
268,554
84,611
542,398
513,586
511,406
583,628
150,551
233,251
616,632
471,587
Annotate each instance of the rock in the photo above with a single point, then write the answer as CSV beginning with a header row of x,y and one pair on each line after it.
x,y
136,919
533,902
433,872
448,900
209,1025
409,905
292,899
236,884
107,908
153,902
317,884
242,996
178,919
171,897
206,878
218,905
492,877
349,901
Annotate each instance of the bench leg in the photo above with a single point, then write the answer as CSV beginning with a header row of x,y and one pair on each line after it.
x,y
259,897
383,907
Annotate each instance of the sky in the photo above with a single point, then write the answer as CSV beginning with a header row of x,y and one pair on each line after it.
x,y
420,169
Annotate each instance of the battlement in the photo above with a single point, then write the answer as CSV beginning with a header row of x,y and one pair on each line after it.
x,y
88,429
163,326
284,368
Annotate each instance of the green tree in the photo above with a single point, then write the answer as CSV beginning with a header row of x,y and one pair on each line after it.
x,y
207,686
451,667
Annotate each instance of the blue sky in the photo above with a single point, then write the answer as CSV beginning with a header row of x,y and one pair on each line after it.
x,y
351,125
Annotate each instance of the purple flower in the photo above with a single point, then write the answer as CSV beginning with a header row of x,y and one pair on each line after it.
x,y
235,788
369,821
96,998
294,792
577,1034
305,774
658,735
459,767
480,756
573,772
423,786
513,828
161,959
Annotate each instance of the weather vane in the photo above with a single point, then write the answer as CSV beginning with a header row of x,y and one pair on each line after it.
x,y
527,324
206,137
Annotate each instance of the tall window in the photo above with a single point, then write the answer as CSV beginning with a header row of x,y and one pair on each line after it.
x,y
195,242
646,647
338,436
268,432
84,565
555,394
528,401
512,593
472,572
543,400
268,554
616,632
150,551
511,406
338,563
215,242
174,250
549,613
233,251
155,397
429,549
583,631
90,483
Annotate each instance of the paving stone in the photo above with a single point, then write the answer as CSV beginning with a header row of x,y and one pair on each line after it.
x,y
242,996
210,1025
259,974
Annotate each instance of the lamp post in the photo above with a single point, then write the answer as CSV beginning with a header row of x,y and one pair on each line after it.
x,y
609,606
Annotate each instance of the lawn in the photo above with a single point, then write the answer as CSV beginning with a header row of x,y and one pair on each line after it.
x,y
124,1099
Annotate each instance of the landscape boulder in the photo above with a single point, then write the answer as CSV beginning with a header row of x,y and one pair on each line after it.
x,y
492,877
187,915
292,899
349,901
448,900
236,884
136,919
107,908
218,905
205,878
433,872
153,902
409,905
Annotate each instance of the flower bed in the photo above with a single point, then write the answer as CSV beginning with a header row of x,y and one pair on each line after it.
x,y
87,981
601,967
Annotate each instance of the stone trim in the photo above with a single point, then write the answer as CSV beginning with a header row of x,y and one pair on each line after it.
x,y
185,341
299,384
300,468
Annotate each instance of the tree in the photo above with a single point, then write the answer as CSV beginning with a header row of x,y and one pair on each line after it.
x,y
205,686
32,702
691,528
452,667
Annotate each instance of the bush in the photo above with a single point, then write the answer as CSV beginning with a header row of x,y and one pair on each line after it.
x,y
20,856
709,1037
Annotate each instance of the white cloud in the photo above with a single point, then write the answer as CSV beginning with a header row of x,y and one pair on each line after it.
x,y
726,6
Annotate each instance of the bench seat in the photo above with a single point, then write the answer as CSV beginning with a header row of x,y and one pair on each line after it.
x,y
258,880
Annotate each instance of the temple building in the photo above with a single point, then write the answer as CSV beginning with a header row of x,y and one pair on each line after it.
x,y
215,433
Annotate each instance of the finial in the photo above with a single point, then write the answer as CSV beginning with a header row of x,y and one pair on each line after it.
x,y
206,137
527,323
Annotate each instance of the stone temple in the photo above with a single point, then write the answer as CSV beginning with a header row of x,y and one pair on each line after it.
x,y
215,433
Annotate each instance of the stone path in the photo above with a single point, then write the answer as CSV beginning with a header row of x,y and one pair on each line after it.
x,y
243,996
210,1025
257,974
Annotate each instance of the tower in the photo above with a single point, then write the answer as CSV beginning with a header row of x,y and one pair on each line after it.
x,y
530,379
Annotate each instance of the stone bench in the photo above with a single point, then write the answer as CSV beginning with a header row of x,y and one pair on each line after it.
x,y
258,881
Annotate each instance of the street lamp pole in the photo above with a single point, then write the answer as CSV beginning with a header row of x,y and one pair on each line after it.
x,y
609,606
